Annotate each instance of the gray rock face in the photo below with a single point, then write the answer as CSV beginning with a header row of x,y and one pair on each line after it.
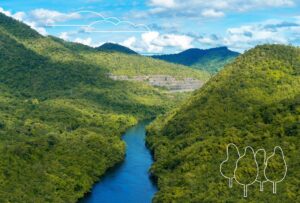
x,y
166,81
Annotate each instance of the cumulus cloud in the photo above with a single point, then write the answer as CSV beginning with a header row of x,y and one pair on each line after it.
x,y
154,42
17,16
85,41
163,3
236,38
212,8
64,36
39,18
212,13
22,16
247,36
49,17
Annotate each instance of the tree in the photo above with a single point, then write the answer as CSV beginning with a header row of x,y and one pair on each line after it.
x,y
246,171
276,167
228,165
260,157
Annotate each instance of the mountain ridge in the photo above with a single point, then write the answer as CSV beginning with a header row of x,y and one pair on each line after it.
x,y
62,117
211,60
113,47
253,101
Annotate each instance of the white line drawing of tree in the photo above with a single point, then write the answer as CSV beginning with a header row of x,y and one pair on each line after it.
x,y
228,165
246,170
261,161
276,168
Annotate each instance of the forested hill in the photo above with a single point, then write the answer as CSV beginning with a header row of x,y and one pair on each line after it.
x,y
211,60
254,101
111,47
61,117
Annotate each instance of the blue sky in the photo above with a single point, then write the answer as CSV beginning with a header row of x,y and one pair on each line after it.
x,y
163,26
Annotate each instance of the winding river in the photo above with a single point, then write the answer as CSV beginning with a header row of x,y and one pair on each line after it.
x,y
129,182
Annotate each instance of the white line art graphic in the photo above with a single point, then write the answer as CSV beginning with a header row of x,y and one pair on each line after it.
x,y
277,148
105,19
231,177
264,172
260,181
245,184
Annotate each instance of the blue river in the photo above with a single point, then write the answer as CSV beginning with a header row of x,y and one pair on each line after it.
x,y
129,182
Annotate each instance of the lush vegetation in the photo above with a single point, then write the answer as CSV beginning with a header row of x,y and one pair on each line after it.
x,y
254,101
111,47
136,65
211,60
61,117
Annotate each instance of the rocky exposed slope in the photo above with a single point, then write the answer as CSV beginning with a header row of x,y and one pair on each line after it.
x,y
170,83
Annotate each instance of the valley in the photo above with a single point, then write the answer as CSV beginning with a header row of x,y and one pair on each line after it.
x,y
254,101
106,124
61,117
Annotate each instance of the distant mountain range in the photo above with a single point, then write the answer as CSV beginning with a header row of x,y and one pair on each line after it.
x,y
211,60
111,47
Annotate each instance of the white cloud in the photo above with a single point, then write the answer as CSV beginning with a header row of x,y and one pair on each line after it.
x,y
171,40
17,16
8,13
207,40
212,13
130,43
211,8
21,16
247,36
154,42
163,3
85,41
36,27
49,17
64,35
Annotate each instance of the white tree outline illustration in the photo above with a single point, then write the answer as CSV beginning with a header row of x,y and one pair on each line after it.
x,y
261,182
257,170
257,167
227,158
285,166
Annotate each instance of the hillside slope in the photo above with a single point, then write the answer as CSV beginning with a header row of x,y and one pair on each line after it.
x,y
111,47
211,60
254,101
61,117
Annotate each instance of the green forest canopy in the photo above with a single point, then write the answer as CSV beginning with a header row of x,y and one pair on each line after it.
x,y
61,117
254,101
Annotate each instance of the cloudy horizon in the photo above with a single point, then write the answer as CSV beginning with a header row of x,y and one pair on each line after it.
x,y
163,26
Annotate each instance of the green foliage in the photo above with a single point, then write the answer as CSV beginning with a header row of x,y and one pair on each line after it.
x,y
246,168
254,101
61,117
133,65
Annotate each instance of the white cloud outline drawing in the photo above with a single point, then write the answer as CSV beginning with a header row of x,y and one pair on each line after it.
x,y
105,19
286,168
227,154
236,167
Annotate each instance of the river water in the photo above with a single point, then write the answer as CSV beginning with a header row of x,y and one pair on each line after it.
x,y
129,182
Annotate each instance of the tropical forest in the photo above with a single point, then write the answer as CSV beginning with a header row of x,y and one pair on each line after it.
x,y
159,111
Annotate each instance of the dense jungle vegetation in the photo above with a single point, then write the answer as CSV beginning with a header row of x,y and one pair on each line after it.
x,y
61,118
254,101
210,60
